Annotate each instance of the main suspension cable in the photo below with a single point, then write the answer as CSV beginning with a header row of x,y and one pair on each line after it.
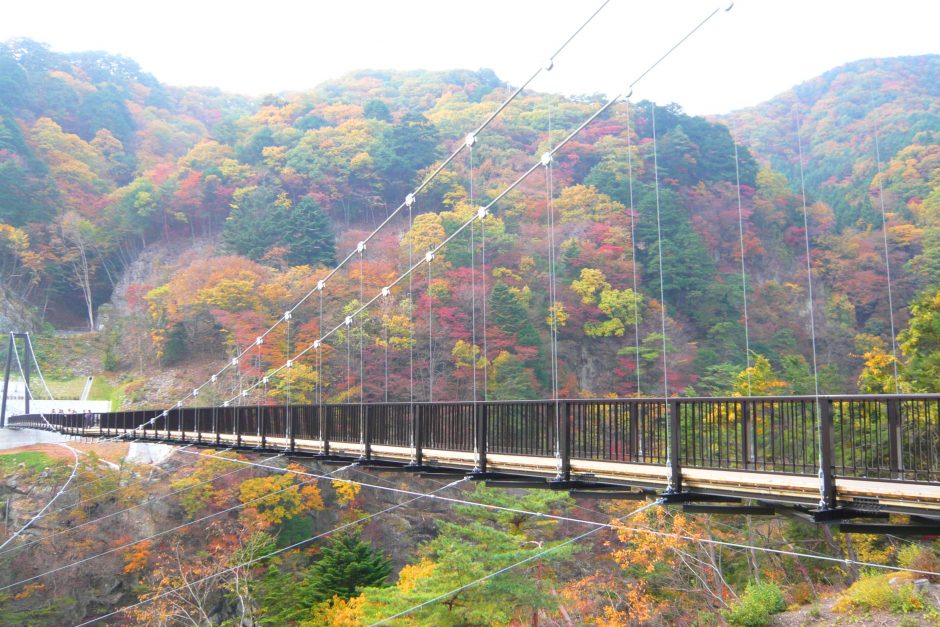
x,y
484,210
421,187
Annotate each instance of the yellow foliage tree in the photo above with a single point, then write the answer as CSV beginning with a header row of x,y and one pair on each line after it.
x,y
346,492
758,380
273,499
137,557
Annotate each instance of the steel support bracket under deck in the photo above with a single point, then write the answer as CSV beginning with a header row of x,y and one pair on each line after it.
x,y
910,529
745,510
670,498
836,514
614,495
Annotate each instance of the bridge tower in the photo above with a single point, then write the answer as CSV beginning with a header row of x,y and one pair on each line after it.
x,y
28,357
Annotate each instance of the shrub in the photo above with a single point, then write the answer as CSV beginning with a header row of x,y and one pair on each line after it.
x,y
892,592
918,557
802,593
756,605
907,599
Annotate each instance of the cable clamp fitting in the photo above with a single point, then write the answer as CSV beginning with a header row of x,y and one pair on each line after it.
x,y
361,246
429,256
546,159
287,315
409,200
348,321
470,140
195,392
320,285
214,378
549,65
259,341
290,363
481,213
244,393
235,361
386,292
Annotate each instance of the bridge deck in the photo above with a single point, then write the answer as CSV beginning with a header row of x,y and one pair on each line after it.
x,y
892,496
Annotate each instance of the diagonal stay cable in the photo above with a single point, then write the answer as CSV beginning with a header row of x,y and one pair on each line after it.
x,y
126,486
42,512
506,569
482,212
273,553
62,488
166,531
131,484
582,521
154,499
409,200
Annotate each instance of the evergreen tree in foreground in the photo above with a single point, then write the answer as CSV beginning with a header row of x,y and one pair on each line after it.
x,y
347,565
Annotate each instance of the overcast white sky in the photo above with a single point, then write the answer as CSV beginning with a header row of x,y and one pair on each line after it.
x,y
740,58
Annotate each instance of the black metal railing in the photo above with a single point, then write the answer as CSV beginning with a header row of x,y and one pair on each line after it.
x,y
876,437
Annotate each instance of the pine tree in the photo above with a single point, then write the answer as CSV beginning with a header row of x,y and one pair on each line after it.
x,y
506,311
309,234
347,564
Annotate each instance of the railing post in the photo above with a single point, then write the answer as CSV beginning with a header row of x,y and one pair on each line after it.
x,y
674,472
290,428
827,483
633,407
366,431
238,426
564,441
417,426
262,415
481,414
745,436
894,438
6,383
325,429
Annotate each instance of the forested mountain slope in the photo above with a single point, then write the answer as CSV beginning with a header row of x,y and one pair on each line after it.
x,y
100,161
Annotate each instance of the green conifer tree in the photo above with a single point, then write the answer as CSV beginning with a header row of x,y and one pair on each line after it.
x,y
347,564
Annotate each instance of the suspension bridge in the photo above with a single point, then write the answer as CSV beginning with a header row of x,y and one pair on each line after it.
x,y
852,459
829,457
